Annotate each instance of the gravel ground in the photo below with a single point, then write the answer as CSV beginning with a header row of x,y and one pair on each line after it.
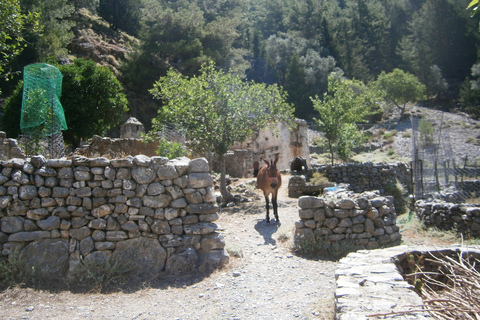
x,y
266,281
458,134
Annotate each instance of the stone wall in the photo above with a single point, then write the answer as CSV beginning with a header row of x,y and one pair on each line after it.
x,y
360,176
463,218
9,148
114,148
153,213
365,220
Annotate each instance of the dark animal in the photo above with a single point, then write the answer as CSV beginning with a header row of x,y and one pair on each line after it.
x,y
270,180
298,164
256,165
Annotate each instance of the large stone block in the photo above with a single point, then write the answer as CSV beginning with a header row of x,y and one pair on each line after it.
x,y
145,256
49,257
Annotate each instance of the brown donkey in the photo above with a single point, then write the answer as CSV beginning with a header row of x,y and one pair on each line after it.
x,y
270,180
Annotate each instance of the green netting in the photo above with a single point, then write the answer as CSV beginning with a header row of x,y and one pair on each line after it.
x,y
41,107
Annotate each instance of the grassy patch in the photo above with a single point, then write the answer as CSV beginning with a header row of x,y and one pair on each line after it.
x,y
100,276
234,250
416,231
15,270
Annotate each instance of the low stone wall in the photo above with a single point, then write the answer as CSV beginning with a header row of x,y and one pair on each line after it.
x,y
365,220
360,176
9,148
153,213
371,284
113,148
464,218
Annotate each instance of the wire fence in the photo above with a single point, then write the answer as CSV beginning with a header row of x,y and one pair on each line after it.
x,y
172,133
37,143
437,172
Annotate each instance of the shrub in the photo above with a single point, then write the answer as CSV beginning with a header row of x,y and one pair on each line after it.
x,y
14,269
400,194
169,149
318,178
104,275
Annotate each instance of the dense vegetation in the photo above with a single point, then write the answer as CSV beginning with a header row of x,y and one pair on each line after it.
x,y
296,44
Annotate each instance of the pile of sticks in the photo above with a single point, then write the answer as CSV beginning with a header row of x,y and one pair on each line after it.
x,y
453,291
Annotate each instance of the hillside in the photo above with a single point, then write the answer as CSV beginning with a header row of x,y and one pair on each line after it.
x,y
456,134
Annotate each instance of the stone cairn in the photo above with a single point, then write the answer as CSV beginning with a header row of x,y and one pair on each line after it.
x,y
464,218
365,220
154,213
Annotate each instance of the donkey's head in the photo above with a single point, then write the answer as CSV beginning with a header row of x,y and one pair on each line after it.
x,y
272,172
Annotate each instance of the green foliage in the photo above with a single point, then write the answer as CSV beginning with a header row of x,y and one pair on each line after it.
x,y
318,179
57,28
399,88
10,121
101,276
349,138
217,109
122,15
400,196
439,33
92,99
346,103
170,149
12,23
426,130
14,269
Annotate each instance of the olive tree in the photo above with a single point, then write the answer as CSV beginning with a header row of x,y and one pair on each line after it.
x,y
399,88
217,109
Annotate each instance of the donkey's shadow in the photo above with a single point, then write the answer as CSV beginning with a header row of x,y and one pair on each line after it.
x,y
267,230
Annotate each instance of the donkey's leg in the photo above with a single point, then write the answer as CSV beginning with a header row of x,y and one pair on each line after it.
x,y
267,205
275,206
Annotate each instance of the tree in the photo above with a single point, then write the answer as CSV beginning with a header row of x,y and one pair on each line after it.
x,y
346,103
217,109
12,23
121,14
399,88
92,100
55,18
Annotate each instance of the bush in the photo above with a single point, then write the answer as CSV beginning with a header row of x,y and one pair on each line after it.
x,y
400,195
101,276
15,270
318,178
169,149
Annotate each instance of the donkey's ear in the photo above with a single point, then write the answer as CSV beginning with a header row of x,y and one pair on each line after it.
x,y
276,159
266,161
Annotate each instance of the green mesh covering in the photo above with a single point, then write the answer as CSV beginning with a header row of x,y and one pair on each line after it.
x,y
42,111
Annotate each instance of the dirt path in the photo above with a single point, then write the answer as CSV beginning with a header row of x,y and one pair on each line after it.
x,y
268,281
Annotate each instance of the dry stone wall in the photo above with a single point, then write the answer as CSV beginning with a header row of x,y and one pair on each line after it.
x,y
464,218
9,148
360,176
366,220
154,213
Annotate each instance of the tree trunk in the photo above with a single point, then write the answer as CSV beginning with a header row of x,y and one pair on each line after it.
x,y
227,196
330,147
